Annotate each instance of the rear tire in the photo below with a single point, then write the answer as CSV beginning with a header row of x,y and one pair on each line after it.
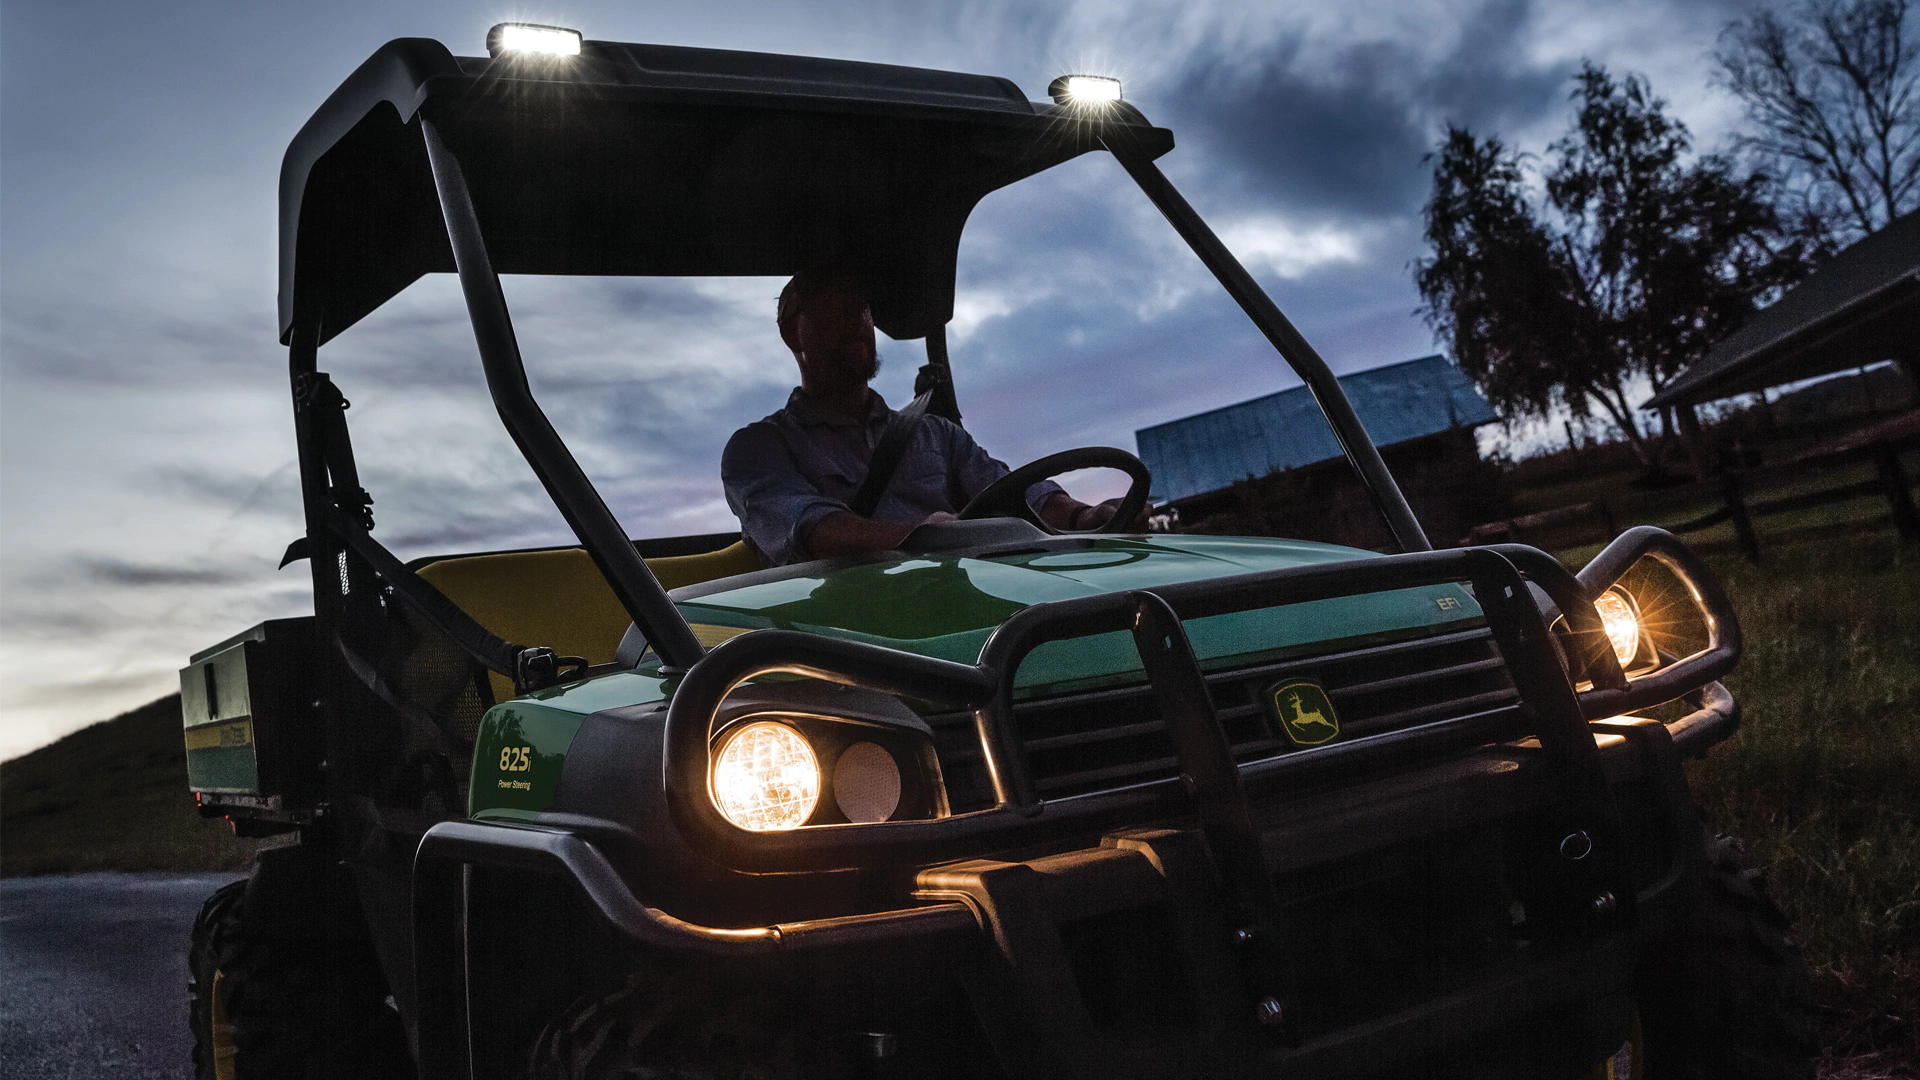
x,y
287,1008
213,930
1725,997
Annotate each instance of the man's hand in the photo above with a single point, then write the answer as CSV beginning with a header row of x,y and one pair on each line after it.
x,y
1062,511
1100,514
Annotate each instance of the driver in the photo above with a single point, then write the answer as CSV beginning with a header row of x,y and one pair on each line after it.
x,y
789,478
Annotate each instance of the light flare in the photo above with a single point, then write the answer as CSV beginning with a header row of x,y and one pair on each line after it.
x,y
533,38
1095,90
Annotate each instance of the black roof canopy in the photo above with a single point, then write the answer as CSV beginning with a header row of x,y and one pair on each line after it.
x,y
1860,308
658,160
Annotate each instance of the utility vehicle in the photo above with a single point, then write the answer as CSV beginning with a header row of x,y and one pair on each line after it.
x,y
1004,802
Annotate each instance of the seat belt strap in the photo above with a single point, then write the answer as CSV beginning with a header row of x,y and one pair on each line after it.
x,y
350,515
887,454
476,640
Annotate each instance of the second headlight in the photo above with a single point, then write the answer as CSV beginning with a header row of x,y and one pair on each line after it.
x,y
1621,617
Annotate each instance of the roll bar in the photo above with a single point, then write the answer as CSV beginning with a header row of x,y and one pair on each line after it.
x,y
1301,356
638,591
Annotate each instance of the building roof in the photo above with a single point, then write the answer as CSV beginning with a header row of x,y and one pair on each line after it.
x,y
1860,308
657,160
1210,450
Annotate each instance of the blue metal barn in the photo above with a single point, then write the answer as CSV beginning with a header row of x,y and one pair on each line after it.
x,y
1397,403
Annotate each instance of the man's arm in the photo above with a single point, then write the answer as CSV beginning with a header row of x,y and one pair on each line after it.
x,y
844,532
776,506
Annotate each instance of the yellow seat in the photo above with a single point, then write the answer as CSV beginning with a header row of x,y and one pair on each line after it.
x,y
558,599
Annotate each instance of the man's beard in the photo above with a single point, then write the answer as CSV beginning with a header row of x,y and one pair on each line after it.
x,y
860,368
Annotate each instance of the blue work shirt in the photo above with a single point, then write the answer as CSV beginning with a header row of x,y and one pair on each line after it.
x,y
784,473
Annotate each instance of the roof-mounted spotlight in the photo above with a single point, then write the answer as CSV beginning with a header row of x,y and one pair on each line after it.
x,y
532,39
1084,90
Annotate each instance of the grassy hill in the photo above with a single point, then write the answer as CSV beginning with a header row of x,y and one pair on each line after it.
x,y
111,797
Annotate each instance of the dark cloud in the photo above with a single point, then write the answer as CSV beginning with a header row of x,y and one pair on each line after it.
x,y
238,488
1488,83
1342,131
41,618
120,572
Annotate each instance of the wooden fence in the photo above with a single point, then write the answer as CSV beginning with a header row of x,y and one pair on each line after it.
x,y
1737,497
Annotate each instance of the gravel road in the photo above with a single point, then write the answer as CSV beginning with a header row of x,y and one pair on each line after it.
x,y
95,981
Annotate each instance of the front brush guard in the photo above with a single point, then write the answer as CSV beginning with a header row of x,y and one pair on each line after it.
x,y
1557,714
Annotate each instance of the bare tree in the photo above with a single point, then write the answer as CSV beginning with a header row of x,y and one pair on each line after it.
x,y
1832,88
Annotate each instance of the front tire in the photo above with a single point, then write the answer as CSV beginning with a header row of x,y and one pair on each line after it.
x,y
658,1026
287,1008
1726,997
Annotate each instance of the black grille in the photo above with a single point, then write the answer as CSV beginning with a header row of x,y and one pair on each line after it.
x,y
1108,739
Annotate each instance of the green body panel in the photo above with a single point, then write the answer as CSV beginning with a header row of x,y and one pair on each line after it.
x,y
224,770
517,756
947,606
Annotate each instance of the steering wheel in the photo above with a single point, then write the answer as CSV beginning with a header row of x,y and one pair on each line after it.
x,y
1007,496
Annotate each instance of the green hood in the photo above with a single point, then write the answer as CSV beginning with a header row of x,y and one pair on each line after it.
x,y
947,605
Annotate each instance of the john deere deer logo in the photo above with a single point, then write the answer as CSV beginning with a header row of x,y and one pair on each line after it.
x,y
1304,713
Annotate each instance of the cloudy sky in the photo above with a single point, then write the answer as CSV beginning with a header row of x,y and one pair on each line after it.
x,y
147,483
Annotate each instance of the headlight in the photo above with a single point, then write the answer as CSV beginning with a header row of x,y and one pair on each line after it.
x,y
766,778
1621,617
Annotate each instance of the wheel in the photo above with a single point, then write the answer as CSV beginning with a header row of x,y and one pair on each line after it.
x,y
287,1008
213,931
1726,995
660,1027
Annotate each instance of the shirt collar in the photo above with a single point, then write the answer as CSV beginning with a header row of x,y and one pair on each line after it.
x,y
805,411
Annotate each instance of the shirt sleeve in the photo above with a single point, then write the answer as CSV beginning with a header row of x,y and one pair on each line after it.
x,y
776,505
974,468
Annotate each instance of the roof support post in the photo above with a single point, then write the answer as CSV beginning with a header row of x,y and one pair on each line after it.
x,y
1301,356
937,375
586,513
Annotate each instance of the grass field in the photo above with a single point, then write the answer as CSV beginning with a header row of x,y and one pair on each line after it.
x,y
1822,782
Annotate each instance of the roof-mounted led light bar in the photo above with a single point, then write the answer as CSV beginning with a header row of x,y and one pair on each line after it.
x,y
532,39
1084,90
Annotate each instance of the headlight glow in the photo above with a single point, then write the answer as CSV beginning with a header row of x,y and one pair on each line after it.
x,y
766,778
1084,90
533,38
1621,617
